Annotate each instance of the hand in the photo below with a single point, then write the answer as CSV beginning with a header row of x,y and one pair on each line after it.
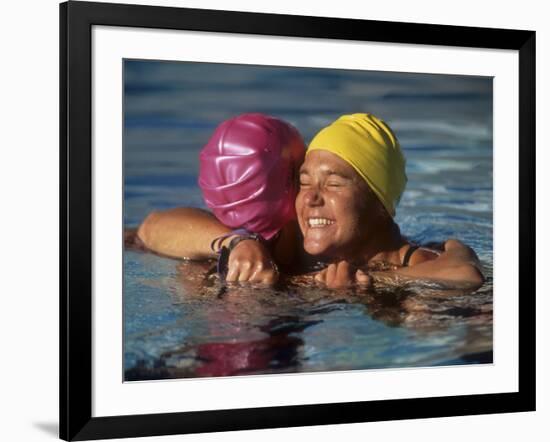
x,y
342,274
251,261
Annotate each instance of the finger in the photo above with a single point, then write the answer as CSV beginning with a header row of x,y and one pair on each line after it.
x,y
343,274
270,277
264,273
245,271
259,272
330,275
362,278
237,270
321,276
232,272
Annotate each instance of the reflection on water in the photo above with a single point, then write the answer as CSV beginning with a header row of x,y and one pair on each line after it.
x,y
177,324
221,329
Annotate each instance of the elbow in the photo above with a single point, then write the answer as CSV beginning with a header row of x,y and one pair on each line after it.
x,y
145,228
470,275
466,268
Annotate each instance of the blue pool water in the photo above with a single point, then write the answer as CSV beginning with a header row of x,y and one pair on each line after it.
x,y
179,325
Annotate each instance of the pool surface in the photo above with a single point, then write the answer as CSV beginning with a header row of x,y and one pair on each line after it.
x,y
177,323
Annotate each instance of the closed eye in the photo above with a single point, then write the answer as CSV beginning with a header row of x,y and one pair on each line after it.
x,y
337,181
304,179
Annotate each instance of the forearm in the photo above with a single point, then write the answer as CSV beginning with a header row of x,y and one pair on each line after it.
x,y
457,267
464,278
181,233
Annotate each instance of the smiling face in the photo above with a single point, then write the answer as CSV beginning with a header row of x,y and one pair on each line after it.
x,y
336,209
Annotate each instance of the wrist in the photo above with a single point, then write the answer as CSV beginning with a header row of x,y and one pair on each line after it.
x,y
231,239
237,239
226,240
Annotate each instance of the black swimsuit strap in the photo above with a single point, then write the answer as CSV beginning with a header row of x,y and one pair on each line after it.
x,y
408,254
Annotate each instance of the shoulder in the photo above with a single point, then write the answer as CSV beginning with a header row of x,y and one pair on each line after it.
x,y
452,247
453,243
432,251
456,263
421,254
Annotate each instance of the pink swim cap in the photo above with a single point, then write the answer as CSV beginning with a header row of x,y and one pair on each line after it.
x,y
247,172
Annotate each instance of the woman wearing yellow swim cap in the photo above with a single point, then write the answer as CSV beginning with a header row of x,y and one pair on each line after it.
x,y
350,184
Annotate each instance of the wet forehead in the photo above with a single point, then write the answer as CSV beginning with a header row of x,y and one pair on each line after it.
x,y
326,163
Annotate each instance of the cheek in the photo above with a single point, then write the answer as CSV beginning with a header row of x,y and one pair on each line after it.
x,y
348,209
352,216
299,205
369,216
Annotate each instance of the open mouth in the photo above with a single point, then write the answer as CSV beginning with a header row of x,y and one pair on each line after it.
x,y
319,223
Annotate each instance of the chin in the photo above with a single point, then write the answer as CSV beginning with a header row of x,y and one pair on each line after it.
x,y
320,250
314,249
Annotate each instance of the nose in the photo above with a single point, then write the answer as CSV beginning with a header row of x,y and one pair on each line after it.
x,y
313,197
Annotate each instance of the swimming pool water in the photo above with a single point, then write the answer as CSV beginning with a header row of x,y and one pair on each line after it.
x,y
176,324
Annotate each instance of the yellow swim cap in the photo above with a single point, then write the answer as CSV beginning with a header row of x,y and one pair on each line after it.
x,y
372,149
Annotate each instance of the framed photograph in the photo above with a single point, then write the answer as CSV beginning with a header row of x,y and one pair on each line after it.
x,y
274,220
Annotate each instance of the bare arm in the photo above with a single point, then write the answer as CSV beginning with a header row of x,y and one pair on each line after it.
x,y
456,267
187,233
183,232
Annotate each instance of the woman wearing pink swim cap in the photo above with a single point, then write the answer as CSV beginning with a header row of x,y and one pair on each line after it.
x,y
248,170
248,178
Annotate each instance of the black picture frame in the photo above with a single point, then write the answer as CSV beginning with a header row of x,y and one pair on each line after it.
x,y
76,21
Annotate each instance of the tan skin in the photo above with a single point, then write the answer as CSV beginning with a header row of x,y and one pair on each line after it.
x,y
186,233
340,217
341,220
